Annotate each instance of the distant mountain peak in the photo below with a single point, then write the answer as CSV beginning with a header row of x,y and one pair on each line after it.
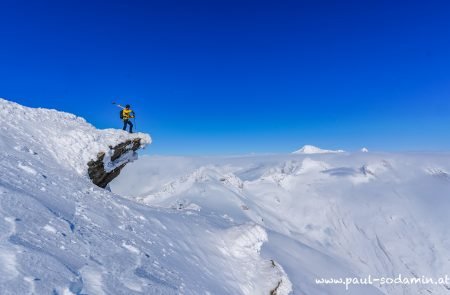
x,y
310,149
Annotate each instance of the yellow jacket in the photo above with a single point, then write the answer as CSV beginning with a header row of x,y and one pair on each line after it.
x,y
127,114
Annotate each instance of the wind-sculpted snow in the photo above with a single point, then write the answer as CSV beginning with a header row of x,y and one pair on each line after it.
x,y
61,234
69,139
331,215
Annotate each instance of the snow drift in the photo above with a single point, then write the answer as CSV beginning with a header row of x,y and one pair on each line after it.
x,y
61,234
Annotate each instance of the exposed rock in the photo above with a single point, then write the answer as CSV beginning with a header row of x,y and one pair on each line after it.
x,y
275,290
109,164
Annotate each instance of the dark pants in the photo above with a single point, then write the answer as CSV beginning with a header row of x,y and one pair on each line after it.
x,y
127,122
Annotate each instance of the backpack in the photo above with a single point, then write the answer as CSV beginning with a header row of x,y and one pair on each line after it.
x,y
121,114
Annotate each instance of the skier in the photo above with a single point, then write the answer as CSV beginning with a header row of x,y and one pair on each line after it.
x,y
126,114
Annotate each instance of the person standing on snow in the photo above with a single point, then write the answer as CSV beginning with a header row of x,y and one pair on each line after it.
x,y
126,114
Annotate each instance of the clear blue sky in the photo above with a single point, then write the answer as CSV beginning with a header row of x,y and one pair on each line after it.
x,y
221,77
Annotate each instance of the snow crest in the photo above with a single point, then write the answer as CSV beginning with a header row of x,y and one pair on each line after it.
x,y
69,139
243,243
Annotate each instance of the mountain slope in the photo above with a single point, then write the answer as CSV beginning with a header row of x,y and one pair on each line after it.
x,y
326,215
61,234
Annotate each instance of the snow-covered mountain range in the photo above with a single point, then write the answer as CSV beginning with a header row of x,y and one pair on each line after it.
x,y
271,224
330,215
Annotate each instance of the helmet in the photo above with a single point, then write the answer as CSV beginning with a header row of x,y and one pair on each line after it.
x,y
127,106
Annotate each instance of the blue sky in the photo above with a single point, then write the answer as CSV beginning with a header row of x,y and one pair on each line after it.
x,y
228,77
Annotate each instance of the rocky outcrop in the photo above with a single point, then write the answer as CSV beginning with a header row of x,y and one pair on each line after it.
x,y
108,164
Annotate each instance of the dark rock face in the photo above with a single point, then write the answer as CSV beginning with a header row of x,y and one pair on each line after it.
x,y
120,155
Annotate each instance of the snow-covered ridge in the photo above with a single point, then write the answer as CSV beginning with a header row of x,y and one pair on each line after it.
x,y
310,149
61,234
69,139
